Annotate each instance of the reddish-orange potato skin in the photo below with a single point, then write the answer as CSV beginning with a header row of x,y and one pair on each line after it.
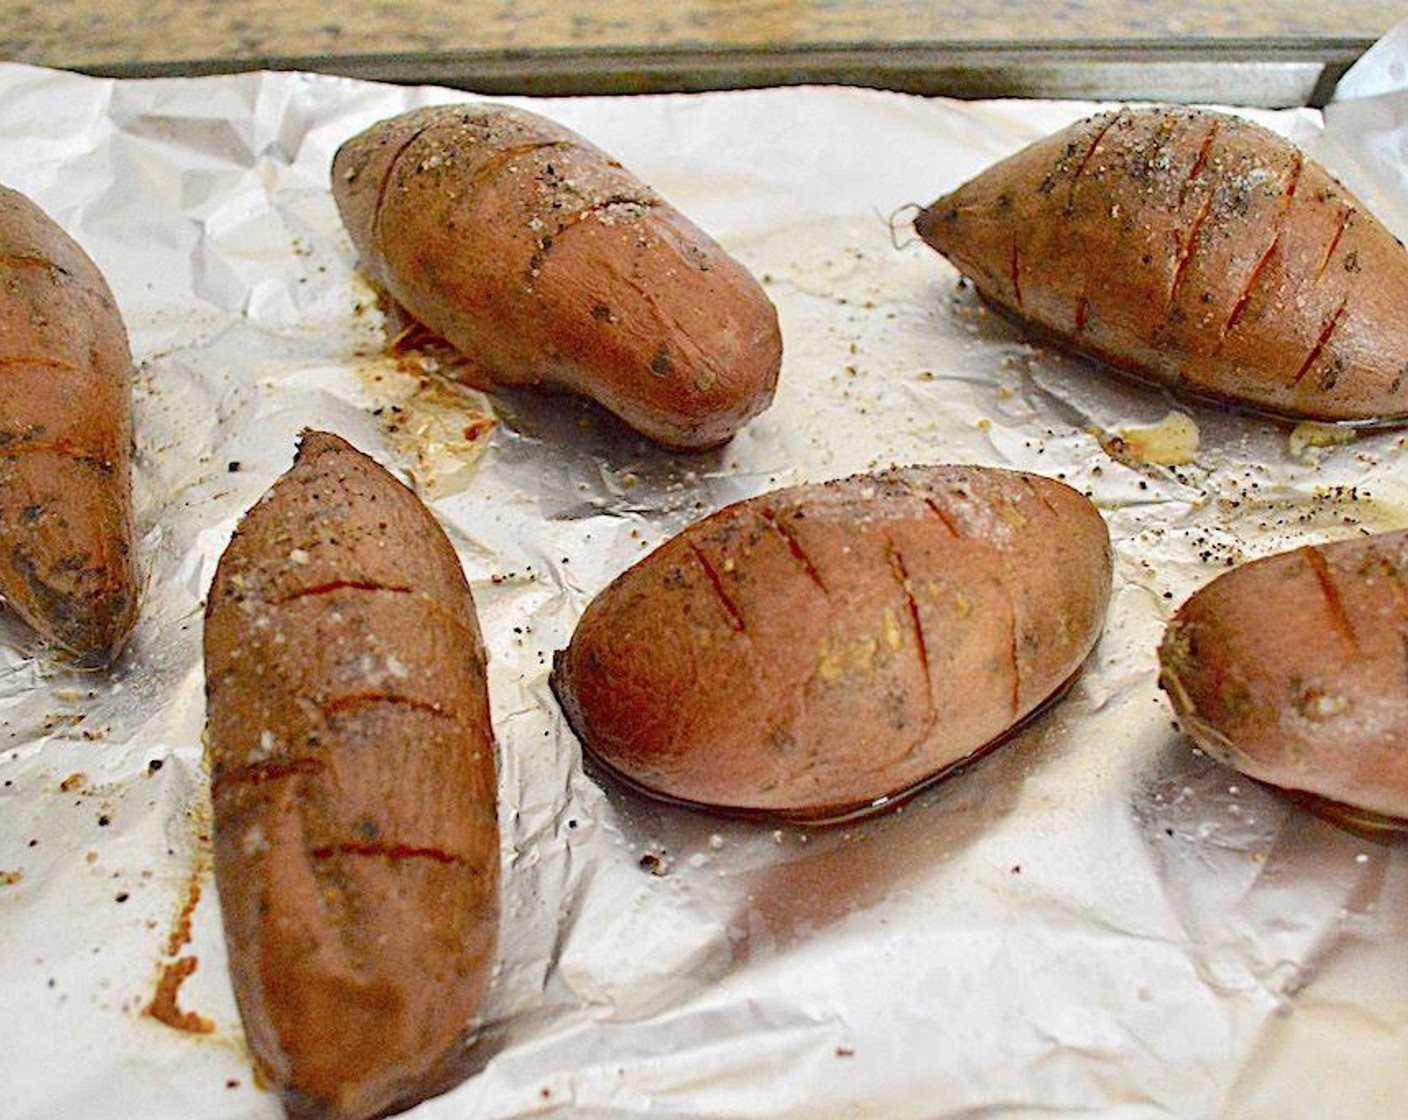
x,y
67,544
353,779
815,650
1197,250
1291,669
546,263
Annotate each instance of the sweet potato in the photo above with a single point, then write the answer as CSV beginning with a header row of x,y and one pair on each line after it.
x,y
1197,250
812,652
546,263
67,548
1291,669
353,780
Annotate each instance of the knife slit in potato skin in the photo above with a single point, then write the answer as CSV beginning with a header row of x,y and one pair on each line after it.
x,y
392,166
1185,246
27,260
1082,309
260,773
921,647
1288,193
1040,495
1200,160
1346,217
353,781
1089,158
716,585
1330,593
344,585
1245,298
637,202
503,160
38,361
1014,655
1318,348
391,852
947,521
84,456
794,546
1014,272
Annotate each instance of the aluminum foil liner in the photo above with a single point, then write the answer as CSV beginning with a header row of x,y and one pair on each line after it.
x,y
1095,920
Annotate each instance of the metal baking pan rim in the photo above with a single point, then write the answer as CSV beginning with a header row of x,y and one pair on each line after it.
x,y
1260,72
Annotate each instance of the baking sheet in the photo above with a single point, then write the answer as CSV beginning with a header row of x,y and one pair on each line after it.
x,y
1095,920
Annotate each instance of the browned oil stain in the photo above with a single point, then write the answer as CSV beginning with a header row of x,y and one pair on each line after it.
x,y
181,928
422,390
164,1006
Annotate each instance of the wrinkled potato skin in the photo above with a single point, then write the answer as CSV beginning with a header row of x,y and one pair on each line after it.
x,y
546,263
353,780
1196,250
1291,669
812,651
67,544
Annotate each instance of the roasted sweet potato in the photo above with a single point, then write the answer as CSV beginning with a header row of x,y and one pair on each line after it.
x,y
353,778
1291,669
1197,250
546,263
67,548
814,651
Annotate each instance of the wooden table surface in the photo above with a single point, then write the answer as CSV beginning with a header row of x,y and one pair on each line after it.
x,y
1271,53
98,33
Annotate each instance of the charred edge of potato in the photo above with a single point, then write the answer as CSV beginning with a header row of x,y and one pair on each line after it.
x,y
1362,822
819,817
452,1070
89,629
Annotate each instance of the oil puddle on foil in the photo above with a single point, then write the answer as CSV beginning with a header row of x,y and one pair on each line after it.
x,y
438,428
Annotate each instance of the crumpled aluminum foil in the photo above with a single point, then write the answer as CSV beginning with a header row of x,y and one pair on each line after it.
x,y
1094,920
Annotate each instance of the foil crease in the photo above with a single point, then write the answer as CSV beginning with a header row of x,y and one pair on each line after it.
x,y
1095,919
